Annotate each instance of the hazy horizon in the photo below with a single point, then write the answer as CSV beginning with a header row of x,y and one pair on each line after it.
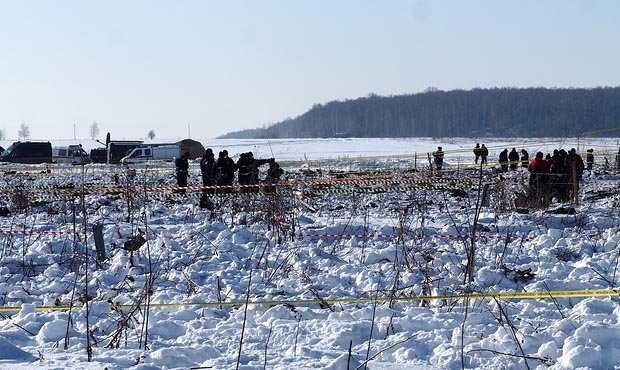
x,y
138,66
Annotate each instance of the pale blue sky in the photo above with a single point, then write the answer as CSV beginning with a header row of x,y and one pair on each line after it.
x,y
133,66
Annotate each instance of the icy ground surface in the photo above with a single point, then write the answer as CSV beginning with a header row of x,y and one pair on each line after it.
x,y
341,259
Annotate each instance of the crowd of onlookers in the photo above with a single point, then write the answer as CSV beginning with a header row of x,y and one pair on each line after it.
x,y
551,176
556,176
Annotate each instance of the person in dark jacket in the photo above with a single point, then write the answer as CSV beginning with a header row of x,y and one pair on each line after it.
x,y
181,165
484,153
575,162
503,160
225,169
273,175
559,181
477,153
208,171
245,172
574,165
248,171
525,158
590,159
438,155
513,157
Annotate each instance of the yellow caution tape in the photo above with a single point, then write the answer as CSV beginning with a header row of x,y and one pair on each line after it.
x,y
502,295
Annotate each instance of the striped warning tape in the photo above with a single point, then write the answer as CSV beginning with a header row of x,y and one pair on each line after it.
x,y
155,195
381,190
429,236
429,183
365,181
499,295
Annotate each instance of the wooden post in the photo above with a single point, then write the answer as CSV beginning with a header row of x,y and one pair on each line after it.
x,y
575,183
415,161
430,163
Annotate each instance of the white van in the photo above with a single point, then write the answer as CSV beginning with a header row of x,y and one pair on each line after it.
x,y
73,154
152,152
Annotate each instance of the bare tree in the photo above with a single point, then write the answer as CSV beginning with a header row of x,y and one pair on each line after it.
x,y
94,130
2,134
151,135
24,131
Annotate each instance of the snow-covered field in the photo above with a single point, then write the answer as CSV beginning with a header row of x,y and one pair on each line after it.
x,y
359,259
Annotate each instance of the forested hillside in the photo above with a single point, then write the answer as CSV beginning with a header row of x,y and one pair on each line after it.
x,y
504,112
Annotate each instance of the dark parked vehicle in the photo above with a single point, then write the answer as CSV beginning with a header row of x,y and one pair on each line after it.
x,y
28,152
99,155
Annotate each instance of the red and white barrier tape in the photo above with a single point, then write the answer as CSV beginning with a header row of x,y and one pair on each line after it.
x,y
33,232
431,236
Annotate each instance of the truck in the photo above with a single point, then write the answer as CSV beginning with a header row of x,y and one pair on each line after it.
x,y
73,154
33,152
164,152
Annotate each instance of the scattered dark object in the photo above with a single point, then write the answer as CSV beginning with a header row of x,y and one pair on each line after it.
x,y
4,212
19,201
104,201
524,211
521,200
459,193
598,195
207,203
485,195
518,275
372,205
134,243
99,244
562,211
483,228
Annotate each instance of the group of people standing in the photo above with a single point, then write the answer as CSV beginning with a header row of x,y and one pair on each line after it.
x,y
551,176
480,153
221,173
513,159
555,176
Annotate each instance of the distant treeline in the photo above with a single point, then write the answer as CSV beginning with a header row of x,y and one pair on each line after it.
x,y
496,112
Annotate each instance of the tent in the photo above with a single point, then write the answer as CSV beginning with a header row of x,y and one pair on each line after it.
x,y
195,149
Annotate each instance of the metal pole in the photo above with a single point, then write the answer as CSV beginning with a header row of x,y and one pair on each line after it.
x,y
575,183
